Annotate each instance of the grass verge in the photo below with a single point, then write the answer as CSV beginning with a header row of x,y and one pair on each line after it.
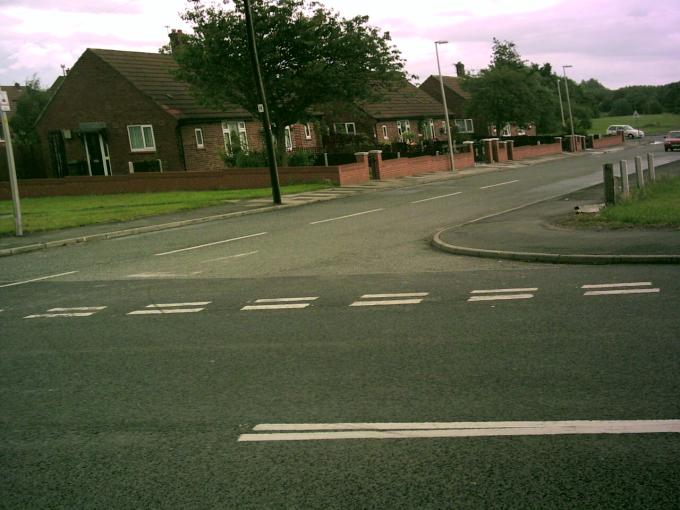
x,y
657,124
51,213
657,205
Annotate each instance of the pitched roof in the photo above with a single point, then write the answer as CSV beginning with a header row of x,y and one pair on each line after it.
x,y
405,102
453,83
152,74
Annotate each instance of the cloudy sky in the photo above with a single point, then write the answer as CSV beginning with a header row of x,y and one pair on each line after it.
x,y
618,42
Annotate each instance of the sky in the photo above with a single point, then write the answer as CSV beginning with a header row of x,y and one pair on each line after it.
x,y
617,42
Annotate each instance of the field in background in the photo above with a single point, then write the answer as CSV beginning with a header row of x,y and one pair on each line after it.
x,y
657,124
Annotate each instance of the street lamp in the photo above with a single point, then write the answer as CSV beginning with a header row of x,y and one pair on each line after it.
x,y
566,86
446,110
559,95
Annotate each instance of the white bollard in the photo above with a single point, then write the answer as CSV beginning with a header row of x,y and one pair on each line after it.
x,y
650,167
638,172
625,191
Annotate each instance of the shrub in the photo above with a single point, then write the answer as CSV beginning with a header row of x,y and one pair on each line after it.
x,y
301,158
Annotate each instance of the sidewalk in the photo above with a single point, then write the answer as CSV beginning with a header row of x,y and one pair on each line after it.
x,y
530,234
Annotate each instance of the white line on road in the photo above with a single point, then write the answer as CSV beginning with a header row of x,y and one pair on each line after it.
x,y
164,311
629,291
38,279
163,308
501,297
286,299
491,291
328,431
169,305
499,184
387,303
78,309
613,285
347,216
435,198
398,295
210,244
238,255
52,315
75,311
286,306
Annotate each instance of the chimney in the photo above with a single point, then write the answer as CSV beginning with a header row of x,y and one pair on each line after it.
x,y
460,69
176,37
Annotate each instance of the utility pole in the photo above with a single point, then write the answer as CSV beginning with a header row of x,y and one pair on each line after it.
x,y
571,118
262,107
446,110
559,94
14,187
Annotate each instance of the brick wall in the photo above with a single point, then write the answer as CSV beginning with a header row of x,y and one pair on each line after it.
x,y
534,151
403,167
94,92
608,141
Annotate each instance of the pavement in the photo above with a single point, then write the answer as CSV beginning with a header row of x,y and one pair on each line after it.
x,y
535,233
528,233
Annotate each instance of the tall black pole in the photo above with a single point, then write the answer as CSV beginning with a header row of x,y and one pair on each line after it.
x,y
268,139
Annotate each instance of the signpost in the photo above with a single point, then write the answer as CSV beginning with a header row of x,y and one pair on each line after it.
x,y
4,108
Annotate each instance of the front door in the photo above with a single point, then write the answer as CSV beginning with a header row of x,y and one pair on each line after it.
x,y
97,159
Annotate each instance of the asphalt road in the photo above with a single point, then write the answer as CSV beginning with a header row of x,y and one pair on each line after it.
x,y
132,367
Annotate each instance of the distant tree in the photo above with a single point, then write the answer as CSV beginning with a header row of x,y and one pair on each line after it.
x,y
509,91
29,106
621,106
308,54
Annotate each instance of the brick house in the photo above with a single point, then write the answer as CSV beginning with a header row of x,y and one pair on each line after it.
x,y
404,113
118,112
456,98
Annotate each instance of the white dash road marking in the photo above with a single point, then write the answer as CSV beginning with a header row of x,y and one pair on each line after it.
x,y
629,291
165,308
76,311
330,431
499,184
291,303
238,255
38,279
614,285
491,291
210,244
435,198
500,297
346,216
391,299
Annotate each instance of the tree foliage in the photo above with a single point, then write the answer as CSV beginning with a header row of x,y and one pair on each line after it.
x,y
29,106
308,56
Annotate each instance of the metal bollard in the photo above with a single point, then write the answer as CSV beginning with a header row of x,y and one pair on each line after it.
x,y
609,191
638,172
325,159
625,186
650,167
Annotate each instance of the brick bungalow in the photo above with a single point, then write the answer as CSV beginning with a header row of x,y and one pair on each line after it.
x,y
404,113
119,112
456,98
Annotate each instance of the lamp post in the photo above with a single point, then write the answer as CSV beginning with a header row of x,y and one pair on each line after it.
x,y
446,110
559,94
566,86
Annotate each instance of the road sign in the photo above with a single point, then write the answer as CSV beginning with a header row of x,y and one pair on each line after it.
x,y
4,101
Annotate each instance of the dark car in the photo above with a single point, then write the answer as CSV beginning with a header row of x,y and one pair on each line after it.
x,y
672,141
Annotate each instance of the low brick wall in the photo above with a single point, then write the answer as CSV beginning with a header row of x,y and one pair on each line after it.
x,y
535,151
404,167
608,141
233,178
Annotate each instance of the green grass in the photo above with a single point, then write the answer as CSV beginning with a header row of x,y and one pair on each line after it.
x,y
651,124
657,205
50,213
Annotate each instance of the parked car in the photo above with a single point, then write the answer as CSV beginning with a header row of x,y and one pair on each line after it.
x,y
671,141
628,131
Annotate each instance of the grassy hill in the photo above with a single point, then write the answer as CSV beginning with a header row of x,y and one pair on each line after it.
x,y
657,124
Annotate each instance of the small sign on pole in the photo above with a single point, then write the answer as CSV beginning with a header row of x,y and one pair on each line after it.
x,y
4,101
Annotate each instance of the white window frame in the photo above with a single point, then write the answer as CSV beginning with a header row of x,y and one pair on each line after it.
x,y
198,134
464,125
430,124
345,128
400,131
288,138
507,130
308,131
238,127
149,145
443,128
407,126
384,132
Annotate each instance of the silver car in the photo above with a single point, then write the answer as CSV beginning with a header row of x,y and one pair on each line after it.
x,y
628,131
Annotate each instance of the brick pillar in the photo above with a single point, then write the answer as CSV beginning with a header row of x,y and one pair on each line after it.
x,y
495,148
510,145
488,144
376,163
362,157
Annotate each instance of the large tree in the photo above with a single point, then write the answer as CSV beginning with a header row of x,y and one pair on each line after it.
x,y
29,106
308,54
510,91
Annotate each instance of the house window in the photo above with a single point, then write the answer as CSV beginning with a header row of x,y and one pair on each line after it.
x,y
345,128
442,129
308,132
506,130
407,126
235,136
288,139
141,138
198,132
430,126
384,132
464,125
